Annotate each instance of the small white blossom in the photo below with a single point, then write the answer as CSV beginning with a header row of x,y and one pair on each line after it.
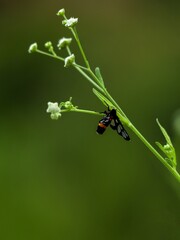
x,y
63,42
61,12
54,109
69,60
70,22
33,48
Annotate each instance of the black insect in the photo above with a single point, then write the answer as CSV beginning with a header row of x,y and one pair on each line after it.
x,y
106,121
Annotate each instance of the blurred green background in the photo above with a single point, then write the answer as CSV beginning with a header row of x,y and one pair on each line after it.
x,y
59,179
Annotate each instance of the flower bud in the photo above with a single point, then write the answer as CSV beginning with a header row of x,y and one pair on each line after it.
x,y
61,12
68,105
48,44
63,42
68,61
33,48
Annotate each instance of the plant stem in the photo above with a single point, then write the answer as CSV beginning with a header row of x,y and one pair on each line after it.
x,y
95,78
82,111
130,125
106,93
50,55
75,34
88,78
153,150
114,103
68,50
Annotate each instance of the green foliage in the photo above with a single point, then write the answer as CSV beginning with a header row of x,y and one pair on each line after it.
x,y
168,148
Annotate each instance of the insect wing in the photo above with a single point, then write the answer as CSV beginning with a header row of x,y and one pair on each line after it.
x,y
120,130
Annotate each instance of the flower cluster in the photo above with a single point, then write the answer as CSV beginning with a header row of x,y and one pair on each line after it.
x,y
62,43
71,22
55,110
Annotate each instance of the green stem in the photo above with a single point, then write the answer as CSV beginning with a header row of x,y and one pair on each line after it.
x,y
62,59
133,128
143,139
95,78
79,66
82,111
88,78
53,52
68,50
50,55
75,34
114,103
106,93
153,150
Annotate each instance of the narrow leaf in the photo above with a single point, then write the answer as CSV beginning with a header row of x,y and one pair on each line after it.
x,y
168,149
99,76
164,133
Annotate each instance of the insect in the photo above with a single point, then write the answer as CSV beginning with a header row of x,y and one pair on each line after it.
x,y
118,126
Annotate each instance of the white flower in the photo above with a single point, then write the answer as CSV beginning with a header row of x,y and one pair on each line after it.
x,y
54,109
69,60
70,22
63,42
33,48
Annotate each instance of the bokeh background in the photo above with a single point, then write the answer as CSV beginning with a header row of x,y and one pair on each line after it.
x,y
59,179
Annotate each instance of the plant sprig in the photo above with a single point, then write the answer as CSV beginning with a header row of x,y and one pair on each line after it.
x,y
99,89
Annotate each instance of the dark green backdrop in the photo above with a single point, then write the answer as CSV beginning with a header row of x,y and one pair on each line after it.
x,y
58,179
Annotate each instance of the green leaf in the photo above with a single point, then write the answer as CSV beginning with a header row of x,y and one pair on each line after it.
x,y
99,76
168,148
164,133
